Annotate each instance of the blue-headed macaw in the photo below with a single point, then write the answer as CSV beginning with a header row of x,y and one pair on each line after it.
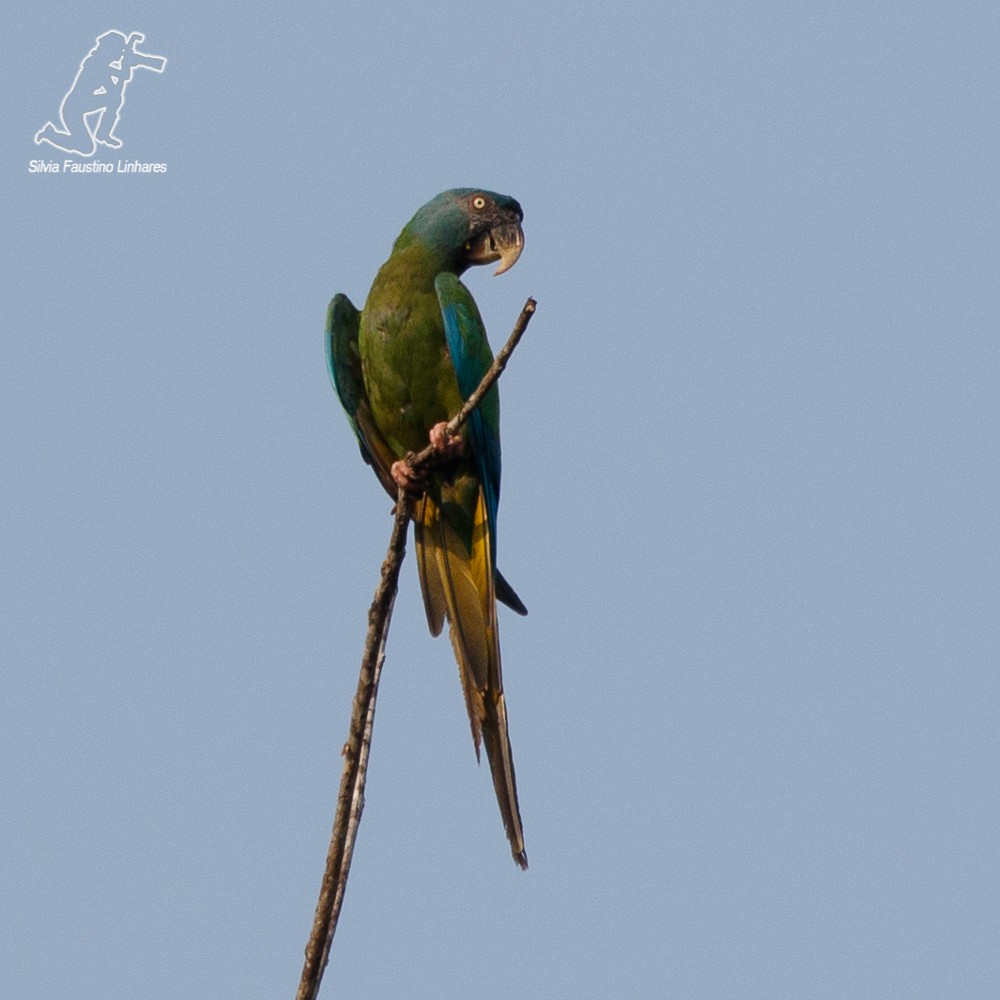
x,y
403,367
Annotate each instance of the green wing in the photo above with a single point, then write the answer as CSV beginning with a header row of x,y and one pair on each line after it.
x,y
344,363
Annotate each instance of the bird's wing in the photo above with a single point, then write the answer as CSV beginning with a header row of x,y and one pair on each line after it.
x,y
344,363
471,358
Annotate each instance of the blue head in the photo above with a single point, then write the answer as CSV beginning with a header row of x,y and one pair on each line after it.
x,y
468,226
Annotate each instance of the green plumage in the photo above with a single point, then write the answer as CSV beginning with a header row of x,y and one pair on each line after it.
x,y
404,357
406,363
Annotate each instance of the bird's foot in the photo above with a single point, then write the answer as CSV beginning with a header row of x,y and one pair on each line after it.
x,y
444,444
412,483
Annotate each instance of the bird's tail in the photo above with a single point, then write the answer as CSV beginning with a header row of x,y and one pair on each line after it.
x,y
457,581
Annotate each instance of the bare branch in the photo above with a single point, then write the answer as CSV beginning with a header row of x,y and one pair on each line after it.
x,y
351,797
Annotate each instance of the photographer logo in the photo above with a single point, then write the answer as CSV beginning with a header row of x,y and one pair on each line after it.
x,y
90,113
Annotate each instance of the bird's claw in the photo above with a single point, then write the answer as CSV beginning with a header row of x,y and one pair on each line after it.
x,y
412,484
444,444
447,447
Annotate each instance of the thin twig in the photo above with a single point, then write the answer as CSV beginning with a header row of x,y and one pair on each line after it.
x,y
351,797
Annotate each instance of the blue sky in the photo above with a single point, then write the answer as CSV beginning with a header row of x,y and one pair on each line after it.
x,y
750,498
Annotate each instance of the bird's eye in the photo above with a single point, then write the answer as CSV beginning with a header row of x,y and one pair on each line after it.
x,y
479,201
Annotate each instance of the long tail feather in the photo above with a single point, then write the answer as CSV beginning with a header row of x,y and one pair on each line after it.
x,y
458,583
425,516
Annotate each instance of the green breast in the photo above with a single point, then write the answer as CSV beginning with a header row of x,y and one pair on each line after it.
x,y
407,369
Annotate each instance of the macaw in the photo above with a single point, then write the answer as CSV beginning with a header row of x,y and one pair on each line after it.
x,y
402,368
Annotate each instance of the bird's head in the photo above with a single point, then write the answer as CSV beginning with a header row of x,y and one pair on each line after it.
x,y
470,226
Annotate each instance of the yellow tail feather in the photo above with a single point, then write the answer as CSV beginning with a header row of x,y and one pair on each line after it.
x,y
458,584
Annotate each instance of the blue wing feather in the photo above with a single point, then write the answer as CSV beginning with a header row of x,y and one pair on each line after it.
x,y
343,361
471,357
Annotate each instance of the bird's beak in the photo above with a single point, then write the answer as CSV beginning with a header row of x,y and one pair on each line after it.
x,y
509,242
503,242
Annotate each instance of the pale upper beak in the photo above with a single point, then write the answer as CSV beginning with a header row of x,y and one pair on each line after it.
x,y
509,242
504,242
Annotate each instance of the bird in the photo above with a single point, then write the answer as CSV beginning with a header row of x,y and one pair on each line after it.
x,y
402,367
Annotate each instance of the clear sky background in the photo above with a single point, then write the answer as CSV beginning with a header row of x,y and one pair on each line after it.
x,y
750,498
